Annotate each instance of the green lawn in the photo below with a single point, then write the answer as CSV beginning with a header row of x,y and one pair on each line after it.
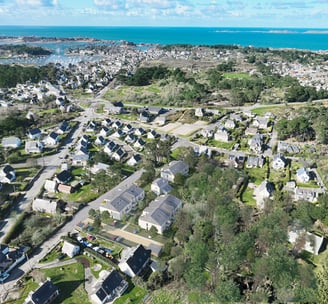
x,y
134,295
262,110
52,255
233,75
257,175
279,175
85,194
127,116
220,144
70,282
29,285
247,197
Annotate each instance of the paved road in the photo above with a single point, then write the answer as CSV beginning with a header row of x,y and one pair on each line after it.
x,y
53,241
50,165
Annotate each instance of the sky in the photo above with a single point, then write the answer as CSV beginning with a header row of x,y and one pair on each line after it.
x,y
209,13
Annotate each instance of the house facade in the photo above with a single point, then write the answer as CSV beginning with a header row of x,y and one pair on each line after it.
x,y
108,287
11,142
124,202
279,162
44,205
160,213
70,249
134,260
173,168
160,186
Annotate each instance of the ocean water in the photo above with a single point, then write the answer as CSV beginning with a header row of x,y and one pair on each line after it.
x,y
309,39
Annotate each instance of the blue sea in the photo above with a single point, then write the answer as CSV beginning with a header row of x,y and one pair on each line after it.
x,y
308,39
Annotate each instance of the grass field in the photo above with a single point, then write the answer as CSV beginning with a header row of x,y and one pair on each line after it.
x,y
247,197
220,144
257,175
134,295
70,282
85,194
262,110
233,75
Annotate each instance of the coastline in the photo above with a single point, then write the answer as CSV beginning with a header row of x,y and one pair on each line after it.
x,y
295,38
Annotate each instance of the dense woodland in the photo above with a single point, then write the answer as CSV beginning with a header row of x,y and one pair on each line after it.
x,y
190,90
309,123
225,252
11,75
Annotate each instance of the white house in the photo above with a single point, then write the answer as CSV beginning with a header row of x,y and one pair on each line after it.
x,y
139,144
100,140
229,124
52,139
63,128
173,168
44,205
256,143
134,260
310,242
152,134
118,154
7,174
109,287
160,213
34,133
262,192
302,175
33,147
70,249
105,131
261,122
46,293
11,142
279,162
50,186
123,203
160,186
306,194
222,134
134,160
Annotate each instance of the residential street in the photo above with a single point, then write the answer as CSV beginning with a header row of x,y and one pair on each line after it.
x,y
50,165
50,243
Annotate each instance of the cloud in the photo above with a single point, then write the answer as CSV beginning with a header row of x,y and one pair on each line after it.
x,y
110,4
37,3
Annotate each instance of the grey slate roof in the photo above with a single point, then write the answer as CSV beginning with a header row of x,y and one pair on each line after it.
x,y
125,198
161,209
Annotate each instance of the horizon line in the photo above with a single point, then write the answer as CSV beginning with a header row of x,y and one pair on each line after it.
x,y
167,26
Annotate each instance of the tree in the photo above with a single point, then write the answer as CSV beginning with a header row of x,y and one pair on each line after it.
x,y
105,217
177,267
153,231
96,223
156,280
322,277
92,213
103,182
227,291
